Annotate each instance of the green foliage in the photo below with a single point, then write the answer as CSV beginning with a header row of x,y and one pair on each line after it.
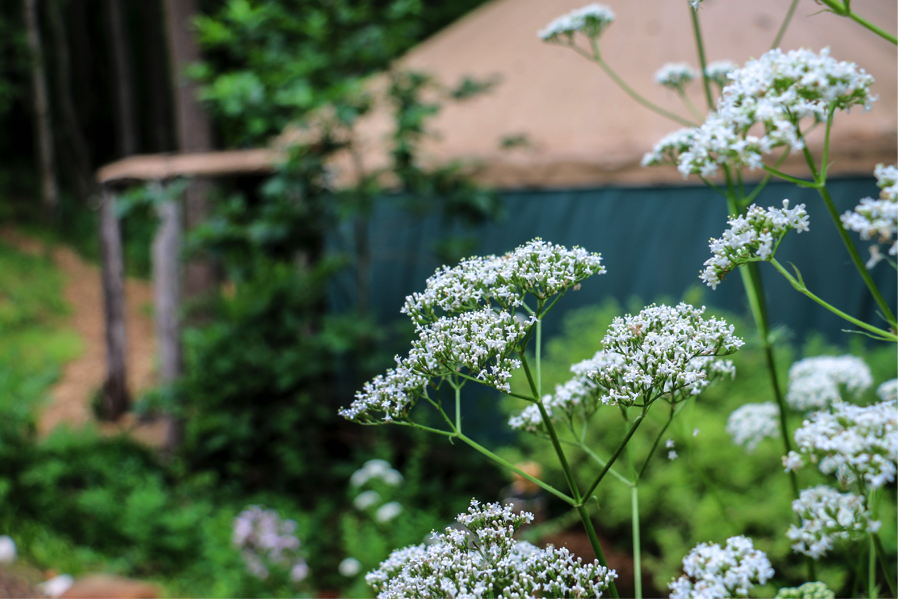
x,y
713,490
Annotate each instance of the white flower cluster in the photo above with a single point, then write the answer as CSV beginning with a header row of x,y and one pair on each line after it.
x,y
479,330
776,92
827,515
712,571
480,341
815,383
878,219
852,442
388,396
668,150
664,350
591,21
578,395
264,538
675,75
888,391
376,470
752,423
752,237
483,559
537,267
719,71
809,590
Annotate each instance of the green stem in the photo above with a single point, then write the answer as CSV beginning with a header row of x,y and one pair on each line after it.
x,y
524,397
539,343
616,453
883,564
515,469
871,570
637,558
457,407
763,183
568,473
526,366
790,178
800,287
844,11
425,428
782,31
638,477
596,546
701,57
601,462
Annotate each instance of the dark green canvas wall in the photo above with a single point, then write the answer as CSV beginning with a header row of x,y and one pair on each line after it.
x,y
653,242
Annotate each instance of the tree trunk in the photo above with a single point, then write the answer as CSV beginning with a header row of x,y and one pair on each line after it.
x,y
127,128
194,131
158,80
115,389
166,290
43,125
78,151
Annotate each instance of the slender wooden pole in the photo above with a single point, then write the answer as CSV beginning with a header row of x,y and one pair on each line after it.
x,y
115,389
167,294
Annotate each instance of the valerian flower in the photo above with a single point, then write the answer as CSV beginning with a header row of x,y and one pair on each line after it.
x,y
591,21
751,238
851,442
675,75
827,515
664,351
817,383
878,219
264,539
718,71
482,557
750,424
712,571
809,590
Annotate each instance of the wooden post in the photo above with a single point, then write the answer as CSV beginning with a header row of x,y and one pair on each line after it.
x,y
115,389
166,297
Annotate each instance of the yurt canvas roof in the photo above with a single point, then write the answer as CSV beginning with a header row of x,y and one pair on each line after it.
x,y
582,129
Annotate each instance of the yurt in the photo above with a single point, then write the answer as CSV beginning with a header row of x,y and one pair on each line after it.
x,y
578,179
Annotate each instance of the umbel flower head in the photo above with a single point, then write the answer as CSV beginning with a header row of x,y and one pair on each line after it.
x,y
719,71
827,515
855,443
664,350
265,539
775,92
878,219
712,571
675,75
750,424
751,238
591,21
817,383
482,558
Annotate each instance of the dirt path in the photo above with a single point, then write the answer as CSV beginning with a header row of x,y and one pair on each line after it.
x,y
83,376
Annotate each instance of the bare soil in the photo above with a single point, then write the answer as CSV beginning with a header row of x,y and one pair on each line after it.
x,y
83,377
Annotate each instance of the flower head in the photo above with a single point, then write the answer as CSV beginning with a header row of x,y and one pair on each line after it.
x,y
664,351
888,391
827,515
719,71
752,423
712,571
591,21
388,396
675,75
750,238
878,219
668,150
816,383
264,538
852,442
481,556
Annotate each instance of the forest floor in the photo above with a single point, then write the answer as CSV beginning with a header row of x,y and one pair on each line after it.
x,y
82,378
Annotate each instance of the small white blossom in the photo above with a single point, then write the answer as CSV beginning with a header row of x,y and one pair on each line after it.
x,y
878,219
888,391
852,442
349,567
809,590
672,455
264,538
752,423
719,71
668,150
388,511
366,499
376,469
482,558
664,351
388,396
712,572
675,75
695,3
775,92
669,444
817,383
591,21
750,238
827,515
695,432
7,550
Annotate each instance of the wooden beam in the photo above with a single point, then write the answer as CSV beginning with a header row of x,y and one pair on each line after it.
x,y
115,389
160,167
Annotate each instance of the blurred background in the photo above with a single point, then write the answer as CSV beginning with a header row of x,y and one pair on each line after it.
x,y
211,212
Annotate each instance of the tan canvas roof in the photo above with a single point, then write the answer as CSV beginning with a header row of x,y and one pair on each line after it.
x,y
582,128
